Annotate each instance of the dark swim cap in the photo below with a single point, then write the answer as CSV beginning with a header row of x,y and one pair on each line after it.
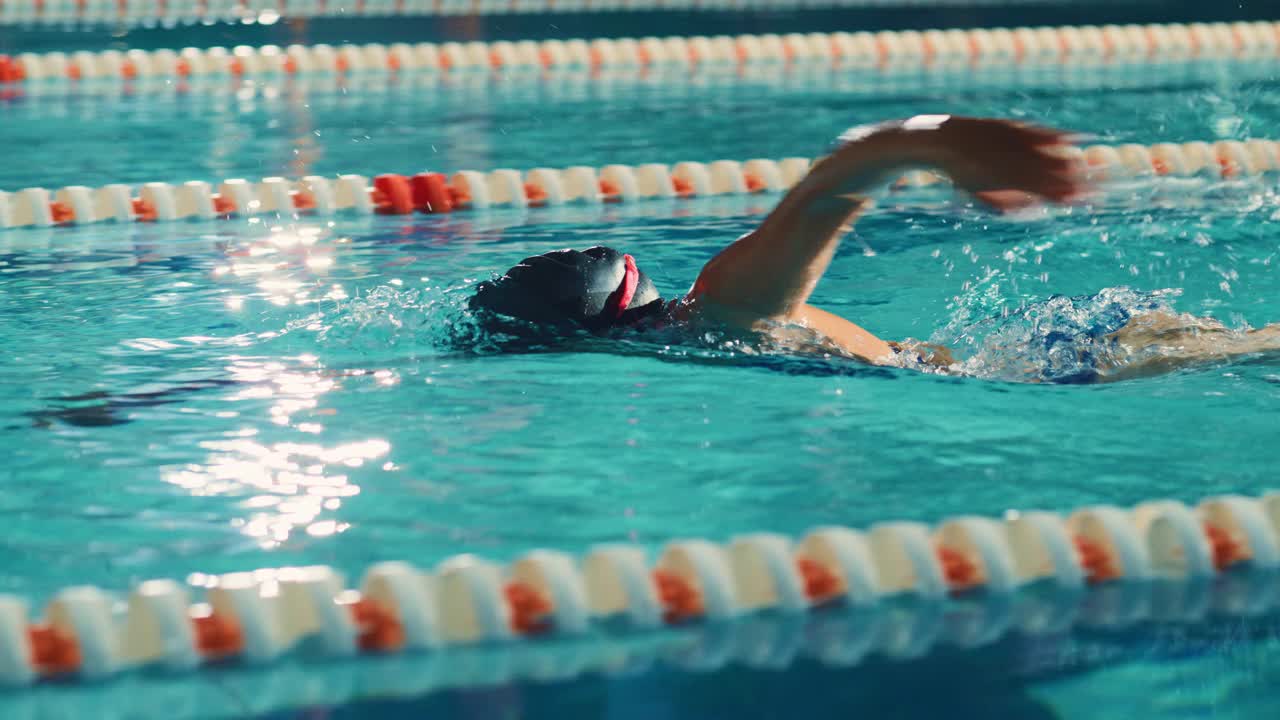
x,y
596,289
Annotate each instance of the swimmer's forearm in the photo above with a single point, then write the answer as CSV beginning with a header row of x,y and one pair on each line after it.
x,y
867,160
833,188
820,208
771,271
1004,164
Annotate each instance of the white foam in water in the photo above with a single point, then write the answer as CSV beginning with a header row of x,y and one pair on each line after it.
x,y
1060,339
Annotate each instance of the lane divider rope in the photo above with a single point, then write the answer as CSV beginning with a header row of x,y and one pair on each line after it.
x,y
1159,560
1070,45
436,90
133,12
434,192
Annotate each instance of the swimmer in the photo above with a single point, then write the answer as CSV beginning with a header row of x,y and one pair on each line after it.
x,y
761,283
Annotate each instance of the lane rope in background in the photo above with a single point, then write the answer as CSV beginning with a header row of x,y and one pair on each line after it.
x,y
185,12
1070,45
432,90
434,192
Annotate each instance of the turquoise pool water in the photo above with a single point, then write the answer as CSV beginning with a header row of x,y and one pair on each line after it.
x,y
183,398
211,397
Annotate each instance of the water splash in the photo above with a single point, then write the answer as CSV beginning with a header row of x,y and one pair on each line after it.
x,y
994,335
387,321
1061,339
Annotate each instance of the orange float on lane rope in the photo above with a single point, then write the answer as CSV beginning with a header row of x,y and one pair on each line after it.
x,y
379,629
534,194
303,200
609,191
431,193
679,599
820,584
10,70
61,213
959,572
53,652
459,197
392,195
144,210
1095,561
223,205
216,636
530,610
1227,551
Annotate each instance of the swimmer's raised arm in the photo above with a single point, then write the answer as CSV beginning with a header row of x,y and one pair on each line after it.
x,y
769,273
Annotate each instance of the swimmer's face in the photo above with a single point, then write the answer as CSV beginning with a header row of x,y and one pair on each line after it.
x,y
597,289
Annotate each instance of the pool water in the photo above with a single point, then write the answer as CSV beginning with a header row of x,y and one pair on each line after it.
x,y
183,398
209,397
1191,675
1213,668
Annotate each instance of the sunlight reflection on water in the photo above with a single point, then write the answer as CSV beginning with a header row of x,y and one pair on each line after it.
x,y
295,482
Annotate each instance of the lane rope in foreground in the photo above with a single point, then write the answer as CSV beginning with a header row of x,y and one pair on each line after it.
x,y
1031,572
434,192
1069,45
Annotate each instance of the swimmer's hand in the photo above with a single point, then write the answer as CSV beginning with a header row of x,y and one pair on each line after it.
x,y
1008,164
1004,163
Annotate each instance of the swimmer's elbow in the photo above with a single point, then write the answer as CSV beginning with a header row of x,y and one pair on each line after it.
x,y
744,280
